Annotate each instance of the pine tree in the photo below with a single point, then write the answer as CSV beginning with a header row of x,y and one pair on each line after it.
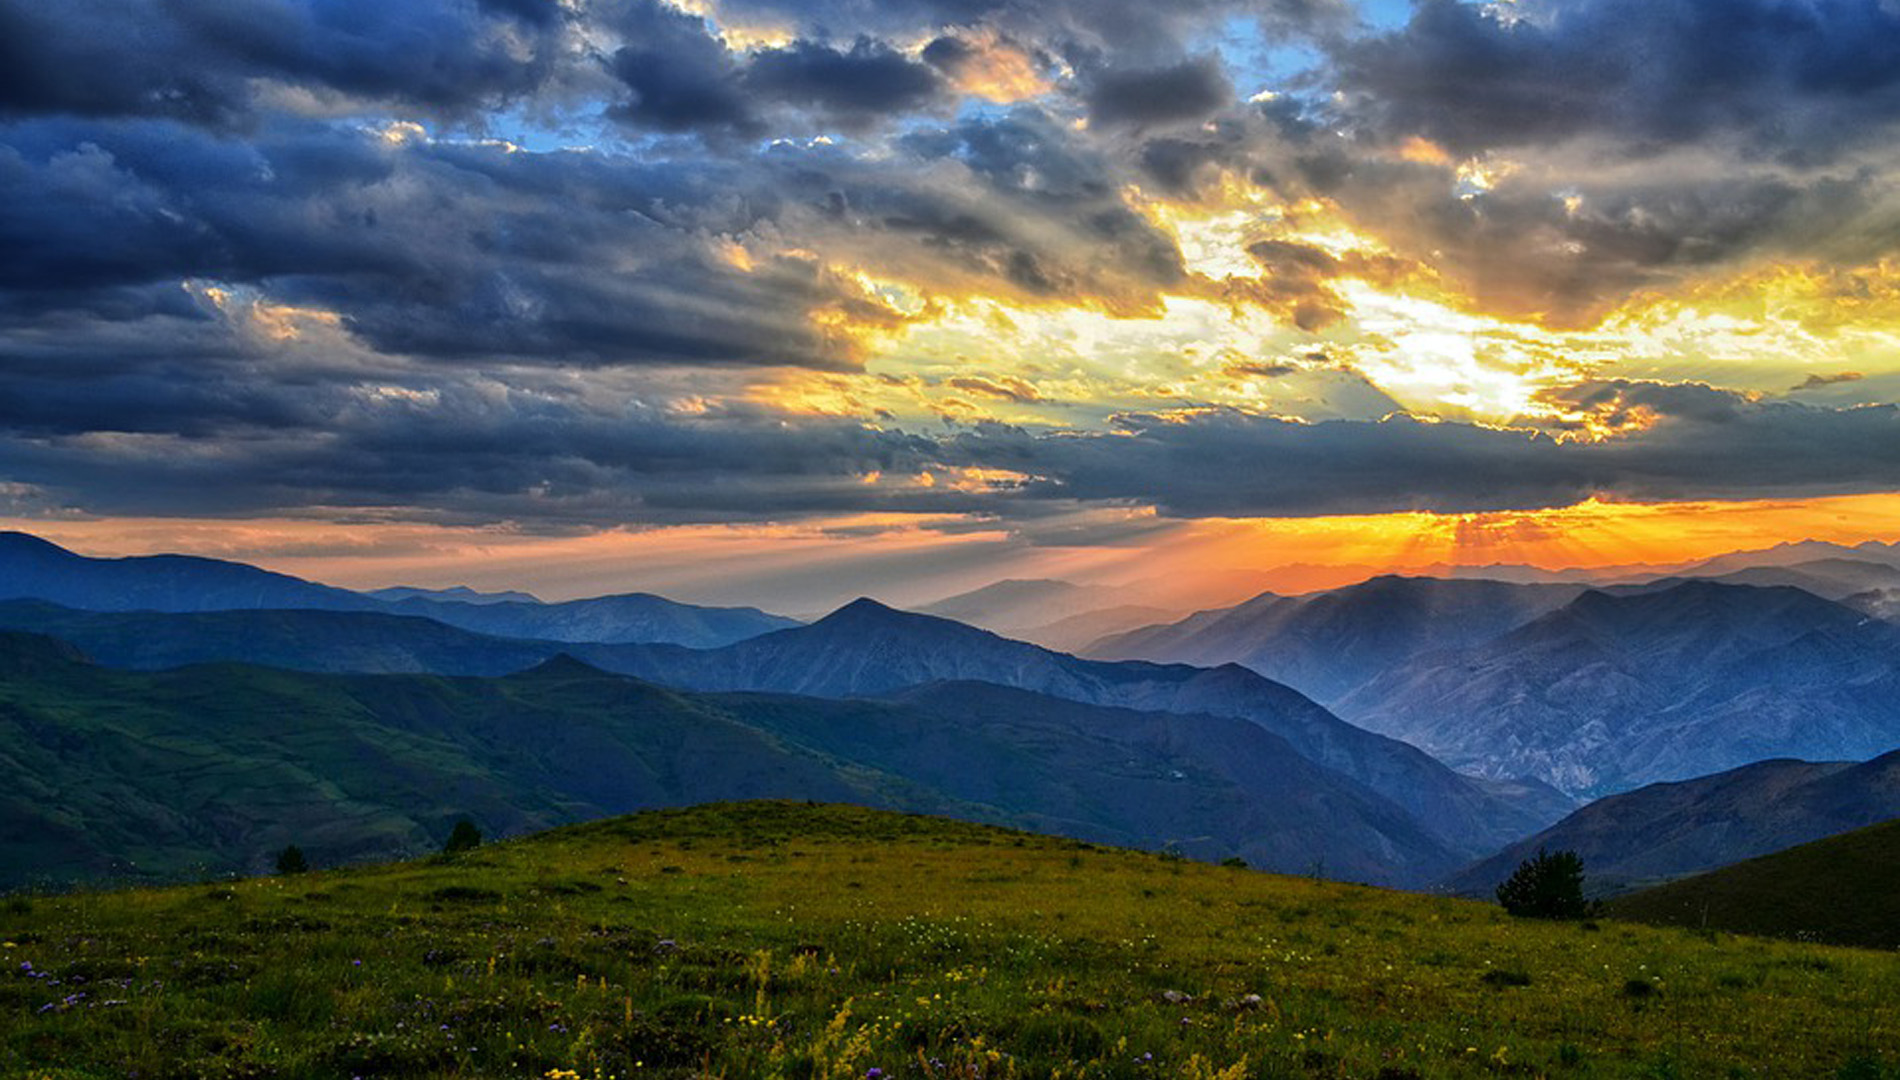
x,y
291,861
464,837
1549,886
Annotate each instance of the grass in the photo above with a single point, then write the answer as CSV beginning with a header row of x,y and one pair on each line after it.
x,y
1844,890
763,940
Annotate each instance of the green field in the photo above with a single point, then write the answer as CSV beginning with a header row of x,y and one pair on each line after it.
x,y
765,940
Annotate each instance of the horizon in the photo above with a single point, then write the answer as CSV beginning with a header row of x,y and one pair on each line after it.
x,y
1339,578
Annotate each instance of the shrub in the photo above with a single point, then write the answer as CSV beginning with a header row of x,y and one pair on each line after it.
x,y
1548,886
464,837
291,861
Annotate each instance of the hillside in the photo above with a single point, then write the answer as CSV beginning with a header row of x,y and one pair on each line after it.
x,y
1844,890
1611,692
216,767
1668,830
766,940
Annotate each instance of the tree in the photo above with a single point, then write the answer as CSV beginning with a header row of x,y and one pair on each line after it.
x,y
291,861
1549,886
464,837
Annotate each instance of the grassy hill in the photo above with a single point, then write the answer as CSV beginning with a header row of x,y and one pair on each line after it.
x,y
1844,889
763,940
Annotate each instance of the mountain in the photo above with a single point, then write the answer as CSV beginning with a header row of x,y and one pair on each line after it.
x,y
457,594
1077,632
31,568
216,767
866,649
629,617
1844,890
1668,830
1832,579
357,642
1054,614
1328,644
1793,553
1615,691
1214,786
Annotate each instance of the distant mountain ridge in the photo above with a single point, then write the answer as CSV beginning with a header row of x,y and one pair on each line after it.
x,y
1328,644
453,594
1667,830
32,568
1055,614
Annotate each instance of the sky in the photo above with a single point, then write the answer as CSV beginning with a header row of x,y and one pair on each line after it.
x,y
784,301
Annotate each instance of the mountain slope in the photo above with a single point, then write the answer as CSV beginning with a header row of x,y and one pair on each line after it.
x,y
1844,890
1327,644
866,649
628,617
218,766
355,642
1615,691
31,568
1668,830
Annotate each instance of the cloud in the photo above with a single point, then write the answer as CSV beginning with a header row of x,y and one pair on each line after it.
x,y
855,87
213,62
1005,387
1818,380
1788,79
1191,90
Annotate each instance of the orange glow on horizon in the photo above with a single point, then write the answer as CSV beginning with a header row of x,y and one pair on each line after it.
x,y
808,567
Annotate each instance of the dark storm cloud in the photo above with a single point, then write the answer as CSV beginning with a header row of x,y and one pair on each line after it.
x,y
1701,443
855,87
1191,90
439,249
1786,77
683,78
203,61
1141,31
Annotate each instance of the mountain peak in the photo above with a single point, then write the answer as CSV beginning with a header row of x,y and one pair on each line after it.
x,y
863,608
563,666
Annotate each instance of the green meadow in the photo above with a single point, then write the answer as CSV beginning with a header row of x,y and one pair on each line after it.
x,y
777,940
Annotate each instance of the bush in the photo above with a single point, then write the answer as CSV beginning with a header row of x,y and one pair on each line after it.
x,y
464,837
1548,886
291,861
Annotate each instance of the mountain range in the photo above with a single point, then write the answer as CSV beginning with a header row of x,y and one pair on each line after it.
x,y
1204,733
1611,692
31,568
212,768
1327,644
866,648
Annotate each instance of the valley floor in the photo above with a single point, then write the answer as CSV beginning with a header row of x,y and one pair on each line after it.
x,y
787,940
